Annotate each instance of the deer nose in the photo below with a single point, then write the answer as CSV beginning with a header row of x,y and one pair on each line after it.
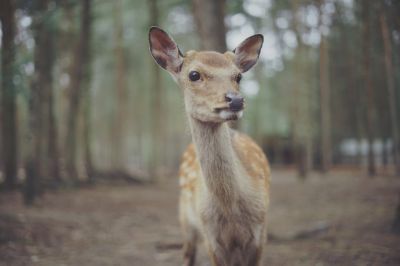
x,y
235,100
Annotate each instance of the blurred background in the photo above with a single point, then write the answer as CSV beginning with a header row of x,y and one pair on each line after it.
x,y
82,103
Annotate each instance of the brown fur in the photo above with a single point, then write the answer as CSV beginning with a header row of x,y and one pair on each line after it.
x,y
213,59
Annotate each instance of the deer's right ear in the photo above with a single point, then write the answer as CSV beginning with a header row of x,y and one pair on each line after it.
x,y
165,51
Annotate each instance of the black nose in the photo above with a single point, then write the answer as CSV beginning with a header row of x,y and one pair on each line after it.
x,y
235,101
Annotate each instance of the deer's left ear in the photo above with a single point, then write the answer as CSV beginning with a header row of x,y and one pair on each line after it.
x,y
165,51
247,53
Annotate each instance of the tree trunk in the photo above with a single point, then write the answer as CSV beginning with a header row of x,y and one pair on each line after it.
x,y
368,86
79,79
72,115
121,86
53,155
396,220
355,95
326,150
209,18
35,162
86,81
300,107
391,90
157,107
8,97
43,156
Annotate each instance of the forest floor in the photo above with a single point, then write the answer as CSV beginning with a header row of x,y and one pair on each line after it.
x,y
343,218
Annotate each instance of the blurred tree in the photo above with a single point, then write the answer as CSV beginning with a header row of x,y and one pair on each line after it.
x,y
325,99
301,111
396,221
368,85
49,29
209,17
8,98
156,106
391,88
41,162
121,87
258,74
86,85
79,78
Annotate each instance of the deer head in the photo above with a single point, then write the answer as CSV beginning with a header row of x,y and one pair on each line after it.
x,y
209,80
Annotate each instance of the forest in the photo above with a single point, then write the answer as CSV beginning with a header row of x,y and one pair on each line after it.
x,y
92,131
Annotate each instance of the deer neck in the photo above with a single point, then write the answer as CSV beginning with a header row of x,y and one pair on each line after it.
x,y
217,158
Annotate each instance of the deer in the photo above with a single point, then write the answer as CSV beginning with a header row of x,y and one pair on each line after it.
x,y
224,175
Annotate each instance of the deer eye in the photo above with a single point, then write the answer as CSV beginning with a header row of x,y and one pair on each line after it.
x,y
238,78
194,75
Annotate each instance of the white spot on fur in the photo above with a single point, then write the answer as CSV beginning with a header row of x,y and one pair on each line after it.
x,y
181,181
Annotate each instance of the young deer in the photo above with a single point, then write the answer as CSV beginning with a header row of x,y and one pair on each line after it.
x,y
224,175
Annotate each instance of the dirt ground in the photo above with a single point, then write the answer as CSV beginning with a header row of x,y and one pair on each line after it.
x,y
342,218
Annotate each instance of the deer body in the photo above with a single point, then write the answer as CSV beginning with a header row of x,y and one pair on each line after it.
x,y
224,175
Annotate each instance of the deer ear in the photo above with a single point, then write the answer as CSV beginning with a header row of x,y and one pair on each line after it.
x,y
165,51
247,53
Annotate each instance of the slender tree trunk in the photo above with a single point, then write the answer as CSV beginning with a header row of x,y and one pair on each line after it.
x,y
120,81
396,220
8,97
355,97
43,86
86,81
157,107
301,109
72,115
79,80
325,103
391,90
209,18
53,150
35,163
368,86
87,133
258,102
53,155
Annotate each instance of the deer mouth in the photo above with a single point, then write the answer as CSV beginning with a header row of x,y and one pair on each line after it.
x,y
229,114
